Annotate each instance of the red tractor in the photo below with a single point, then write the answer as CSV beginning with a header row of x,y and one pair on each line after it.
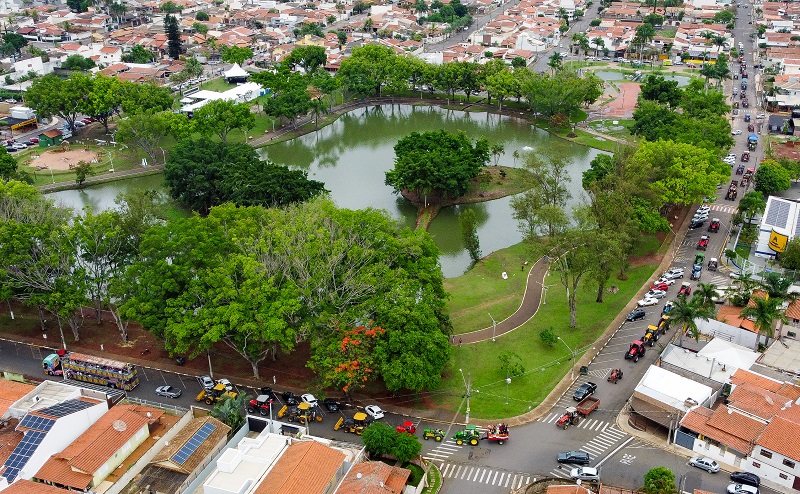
x,y
686,289
615,376
636,351
571,416
408,427
702,244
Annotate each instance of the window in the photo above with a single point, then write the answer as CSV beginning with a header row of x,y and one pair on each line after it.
x,y
788,463
756,464
783,476
765,453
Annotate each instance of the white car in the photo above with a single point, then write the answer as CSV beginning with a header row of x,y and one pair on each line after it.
x,y
585,473
704,463
674,273
647,301
20,146
309,398
655,294
703,208
701,216
374,411
761,115
664,279
742,489
736,132
228,385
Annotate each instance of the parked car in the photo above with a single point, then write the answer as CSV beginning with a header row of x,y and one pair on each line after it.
x,y
697,223
206,382
310,399
374,411
674,273
635,315
11,149
647,301
577,457
736,132
655,294
12,101
584,390
704,463
660,285
700,215
746,478
34,140
79,124
20,145
666,281
742,489
585,473
331,404
168,391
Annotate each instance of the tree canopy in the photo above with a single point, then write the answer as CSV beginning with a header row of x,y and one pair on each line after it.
x,y
437,165
202,174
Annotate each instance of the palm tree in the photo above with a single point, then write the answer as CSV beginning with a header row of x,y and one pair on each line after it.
x,y
686,313
708,36
318,107
598,43
556,61
776,286
705,294
496,150
764,312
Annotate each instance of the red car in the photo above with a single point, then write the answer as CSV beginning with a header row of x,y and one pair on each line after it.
x,y
34,140
659,286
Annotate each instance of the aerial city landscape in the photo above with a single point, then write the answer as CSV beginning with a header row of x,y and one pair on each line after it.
x,y
473,246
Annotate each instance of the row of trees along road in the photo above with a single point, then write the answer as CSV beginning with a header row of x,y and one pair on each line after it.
x,y
365,294
677,163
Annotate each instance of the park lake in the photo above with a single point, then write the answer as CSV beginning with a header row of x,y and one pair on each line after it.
x,y
352,155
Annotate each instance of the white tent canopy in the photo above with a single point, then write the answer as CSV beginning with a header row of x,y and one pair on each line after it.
x,y
236,71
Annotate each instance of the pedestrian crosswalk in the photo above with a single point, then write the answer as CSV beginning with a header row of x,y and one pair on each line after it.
x,y
723,208
601,373
483,475
596,447
588,424
447,448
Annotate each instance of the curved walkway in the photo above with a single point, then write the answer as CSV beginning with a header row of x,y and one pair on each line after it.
x,y
531,300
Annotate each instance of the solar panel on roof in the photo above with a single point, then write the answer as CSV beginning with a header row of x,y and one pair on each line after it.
x,y
778,213
22,453
193,443
37,423
65,408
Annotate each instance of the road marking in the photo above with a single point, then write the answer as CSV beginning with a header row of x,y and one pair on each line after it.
x,y
508,480
459,471
494,479
614,452
477,471
465,473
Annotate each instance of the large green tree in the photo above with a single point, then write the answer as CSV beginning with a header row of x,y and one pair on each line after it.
x,y
220,117
309,58
172,28
764,312
368,69
66,98
772,178
235,54
437,165
659,480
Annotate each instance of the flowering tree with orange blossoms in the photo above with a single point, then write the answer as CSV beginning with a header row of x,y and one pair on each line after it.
x,y
346,360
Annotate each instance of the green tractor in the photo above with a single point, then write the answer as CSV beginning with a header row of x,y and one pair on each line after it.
x,y
469,435
436,434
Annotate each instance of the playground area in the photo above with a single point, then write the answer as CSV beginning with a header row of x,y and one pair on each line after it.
x,y
625,103
61,159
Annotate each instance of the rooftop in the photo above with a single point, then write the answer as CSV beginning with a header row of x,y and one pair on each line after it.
x,y
10,392
306,467
374,477
775,438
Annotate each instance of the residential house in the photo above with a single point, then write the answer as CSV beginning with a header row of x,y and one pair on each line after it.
x,y
10,392
664,397
306,467
372,476
31,487
775,457
723,434
95,454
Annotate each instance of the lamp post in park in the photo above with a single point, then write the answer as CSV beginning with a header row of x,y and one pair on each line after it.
x,y
571,353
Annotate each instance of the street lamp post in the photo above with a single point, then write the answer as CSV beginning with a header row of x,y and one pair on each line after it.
x,y
508,382
467,384
571,353
494,326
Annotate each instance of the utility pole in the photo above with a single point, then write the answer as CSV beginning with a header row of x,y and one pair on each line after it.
x,y
494,326
468,386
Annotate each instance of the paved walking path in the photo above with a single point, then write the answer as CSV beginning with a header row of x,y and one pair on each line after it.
x,y
531,300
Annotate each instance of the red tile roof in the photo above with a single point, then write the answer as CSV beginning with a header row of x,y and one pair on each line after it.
x,y
777,436
30,487
304,468
726,426
374,477
742,376
567,489
11,391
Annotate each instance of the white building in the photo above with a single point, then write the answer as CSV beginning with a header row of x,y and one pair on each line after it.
x,y
779,224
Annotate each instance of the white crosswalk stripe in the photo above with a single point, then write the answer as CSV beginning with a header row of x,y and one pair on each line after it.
x,y
609,436
602,373
591,424
723,208
483,475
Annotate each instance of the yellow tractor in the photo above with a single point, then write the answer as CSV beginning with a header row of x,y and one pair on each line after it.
x,y
355,425
301,412
213,395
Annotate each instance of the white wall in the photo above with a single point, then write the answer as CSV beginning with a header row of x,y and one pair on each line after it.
x,y
772,469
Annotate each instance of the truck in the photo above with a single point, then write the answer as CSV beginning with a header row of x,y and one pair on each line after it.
x,y
355,425
22,112
88,368
752,142
213,395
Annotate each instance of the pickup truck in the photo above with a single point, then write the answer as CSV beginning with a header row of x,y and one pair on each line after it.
x,y
588,405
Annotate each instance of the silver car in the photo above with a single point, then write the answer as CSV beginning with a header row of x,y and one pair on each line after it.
x,y
704,463
585,473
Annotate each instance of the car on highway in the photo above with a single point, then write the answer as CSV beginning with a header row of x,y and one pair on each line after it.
x,y
704,463
674,273
742,489
589,474
584,390
746,478
310,399
577,457
647,302
374,411
736,132
168,391
655,294
635,315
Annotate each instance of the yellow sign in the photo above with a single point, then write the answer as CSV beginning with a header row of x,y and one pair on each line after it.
x,y
778,241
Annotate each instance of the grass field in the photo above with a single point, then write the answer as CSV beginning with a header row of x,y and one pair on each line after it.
x,y
544,365
219,84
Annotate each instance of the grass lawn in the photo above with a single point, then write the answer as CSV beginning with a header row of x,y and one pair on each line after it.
x,y
434,479
544,365
219,84
743,250
604,127
645,244
416,473
122,161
